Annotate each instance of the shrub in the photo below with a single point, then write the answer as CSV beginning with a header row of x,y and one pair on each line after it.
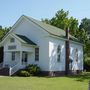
x,y
87,65
23,73
33,69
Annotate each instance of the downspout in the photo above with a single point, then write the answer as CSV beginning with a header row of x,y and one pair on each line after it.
x,y
67,52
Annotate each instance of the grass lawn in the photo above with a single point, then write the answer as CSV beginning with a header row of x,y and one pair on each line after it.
x,y
45,83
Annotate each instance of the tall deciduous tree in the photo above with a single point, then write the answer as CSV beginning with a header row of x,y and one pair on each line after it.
x,y
73,25
61,20
85,24
3,32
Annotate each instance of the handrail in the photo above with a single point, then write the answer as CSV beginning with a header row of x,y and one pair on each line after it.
x,y
14,69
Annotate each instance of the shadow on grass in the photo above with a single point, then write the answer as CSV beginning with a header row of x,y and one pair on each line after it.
x,y
84,76
81,77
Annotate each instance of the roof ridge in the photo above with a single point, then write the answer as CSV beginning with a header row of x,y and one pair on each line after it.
x,y
35,21
56,31
43,23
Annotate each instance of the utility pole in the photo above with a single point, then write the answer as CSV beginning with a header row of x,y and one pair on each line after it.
x,y
67,52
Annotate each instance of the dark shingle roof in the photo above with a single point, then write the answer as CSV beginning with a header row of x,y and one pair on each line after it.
x,y
27,40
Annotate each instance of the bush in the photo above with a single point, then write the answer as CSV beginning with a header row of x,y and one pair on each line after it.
x,y
29,71
23,73
87,65
33,69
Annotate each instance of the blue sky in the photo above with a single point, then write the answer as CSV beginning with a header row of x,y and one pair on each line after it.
x,y
11,10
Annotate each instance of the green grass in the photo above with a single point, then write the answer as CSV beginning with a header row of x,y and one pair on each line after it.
x,y
45,83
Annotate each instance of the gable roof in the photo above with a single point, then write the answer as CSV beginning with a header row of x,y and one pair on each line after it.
x,y
51,29
27,40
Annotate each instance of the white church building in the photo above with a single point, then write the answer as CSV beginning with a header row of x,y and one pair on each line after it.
x,y
33,42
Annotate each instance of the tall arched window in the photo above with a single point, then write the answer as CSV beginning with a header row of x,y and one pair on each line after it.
x,y
58,53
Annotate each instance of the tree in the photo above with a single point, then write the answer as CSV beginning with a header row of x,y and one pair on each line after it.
x,y
73,25
3,32
85,27
61,20
85,24
82,36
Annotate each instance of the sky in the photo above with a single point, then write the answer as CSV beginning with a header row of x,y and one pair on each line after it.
x,y
11,10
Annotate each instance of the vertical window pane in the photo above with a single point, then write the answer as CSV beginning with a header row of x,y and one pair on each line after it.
x,y
12,40
36,54
58,59
58,53
76,53
58,49
13,56
24,57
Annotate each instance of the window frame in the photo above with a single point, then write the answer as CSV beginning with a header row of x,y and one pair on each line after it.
x,y
13,54
58,53
76,53
37,54
11,47
12,40
24,57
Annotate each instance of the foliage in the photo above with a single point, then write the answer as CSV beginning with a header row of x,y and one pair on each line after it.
x,y
30,70
87,64
3,32
88,48
83,38
33,69
23,73
73,26
85,24
84,29
61,20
